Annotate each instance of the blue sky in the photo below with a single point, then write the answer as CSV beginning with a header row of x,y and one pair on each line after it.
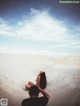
x,y
39,30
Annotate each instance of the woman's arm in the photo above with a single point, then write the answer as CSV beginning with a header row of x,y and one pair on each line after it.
x,y
44,93
38,80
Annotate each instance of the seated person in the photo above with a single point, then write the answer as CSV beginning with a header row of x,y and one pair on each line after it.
x,y
34,100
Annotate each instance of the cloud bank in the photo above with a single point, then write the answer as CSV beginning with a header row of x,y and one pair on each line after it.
x,y
40,27
43,27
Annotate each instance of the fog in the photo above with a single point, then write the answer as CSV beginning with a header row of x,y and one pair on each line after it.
x,y
63,78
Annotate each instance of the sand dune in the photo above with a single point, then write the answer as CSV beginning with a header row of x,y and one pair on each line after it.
x,y
63,76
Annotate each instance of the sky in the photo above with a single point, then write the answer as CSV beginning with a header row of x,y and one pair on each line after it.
x,y
45,27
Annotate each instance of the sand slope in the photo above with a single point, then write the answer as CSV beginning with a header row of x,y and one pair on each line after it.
x,y
63,76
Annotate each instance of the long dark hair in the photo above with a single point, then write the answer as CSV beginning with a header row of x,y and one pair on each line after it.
x,y
43,81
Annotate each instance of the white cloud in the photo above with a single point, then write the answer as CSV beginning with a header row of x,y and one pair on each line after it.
x,y
34,11
40,27
5,28
43,27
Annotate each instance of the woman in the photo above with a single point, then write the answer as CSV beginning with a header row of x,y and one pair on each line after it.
x,y
40,81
